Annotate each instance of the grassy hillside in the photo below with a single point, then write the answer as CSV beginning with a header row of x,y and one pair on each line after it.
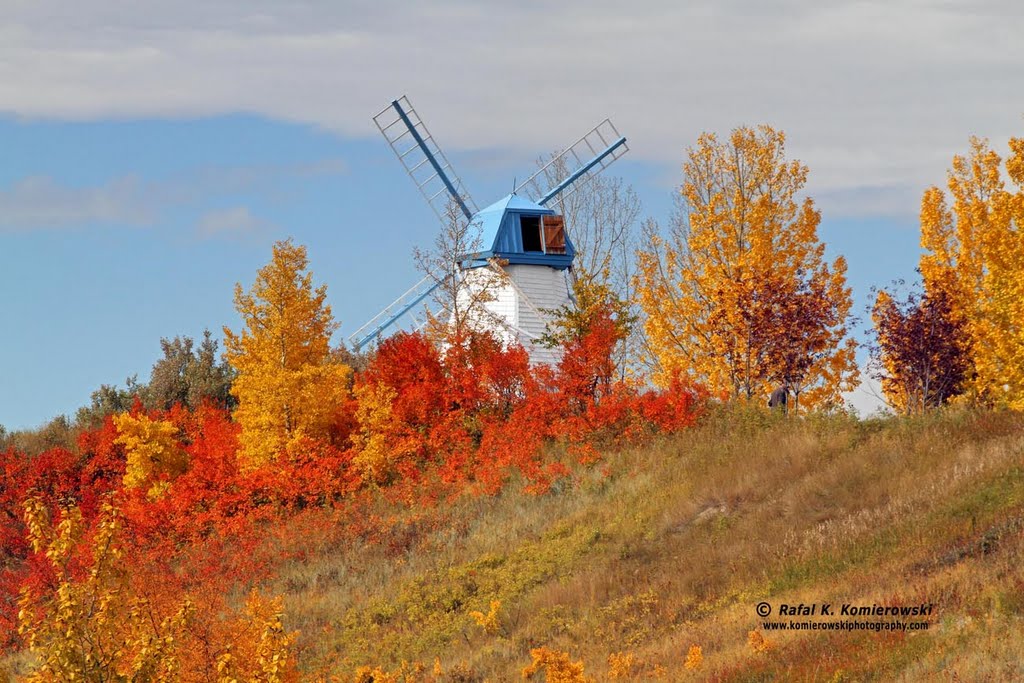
x,y
652,551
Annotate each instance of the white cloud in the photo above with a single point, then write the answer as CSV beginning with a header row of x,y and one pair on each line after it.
x,y
878,200
873,94
237,221
42,203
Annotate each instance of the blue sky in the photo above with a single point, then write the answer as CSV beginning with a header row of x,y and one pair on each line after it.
x,y
149,160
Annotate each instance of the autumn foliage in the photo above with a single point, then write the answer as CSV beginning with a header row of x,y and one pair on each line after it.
x,y
739,296
558,667
129,553
152,453
132,541
288,384
477,413
961,339
96,620
920,353
974,256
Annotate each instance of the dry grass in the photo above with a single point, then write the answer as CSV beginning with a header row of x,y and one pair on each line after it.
x,y
656,550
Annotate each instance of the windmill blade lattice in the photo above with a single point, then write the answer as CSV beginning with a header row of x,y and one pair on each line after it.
x,y
423,159
400,308
579,162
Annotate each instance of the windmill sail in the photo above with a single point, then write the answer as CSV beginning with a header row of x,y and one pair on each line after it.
x,y
423,159
391,315
579,162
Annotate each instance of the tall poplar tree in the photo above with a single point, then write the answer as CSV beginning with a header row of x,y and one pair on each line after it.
x,y
974,256
739,295
288,383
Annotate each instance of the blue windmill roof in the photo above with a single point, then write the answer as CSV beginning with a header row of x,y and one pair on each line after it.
x,y
501,235
490,218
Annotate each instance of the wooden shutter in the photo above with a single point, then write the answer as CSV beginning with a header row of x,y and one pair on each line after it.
x,y
554,235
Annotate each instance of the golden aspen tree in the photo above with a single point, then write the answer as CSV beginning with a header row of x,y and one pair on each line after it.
x,y
376,449
974,255
153,452
288,383
739,296
1008,282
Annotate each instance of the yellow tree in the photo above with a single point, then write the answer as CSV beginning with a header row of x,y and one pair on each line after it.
x,y
739,295
288,383
974,255
1008,282
377,450
154,454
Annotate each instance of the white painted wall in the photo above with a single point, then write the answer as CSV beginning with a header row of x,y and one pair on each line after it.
x,y
520,303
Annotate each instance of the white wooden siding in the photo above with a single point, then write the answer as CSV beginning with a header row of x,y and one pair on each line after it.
x,y
520,305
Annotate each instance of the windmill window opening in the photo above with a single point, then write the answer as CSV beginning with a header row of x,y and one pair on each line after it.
x,y
530,229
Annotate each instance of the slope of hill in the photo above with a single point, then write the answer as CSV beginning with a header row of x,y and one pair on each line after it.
x,y
654,551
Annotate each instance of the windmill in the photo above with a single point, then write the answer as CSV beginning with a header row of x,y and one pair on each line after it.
x,y
521,237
